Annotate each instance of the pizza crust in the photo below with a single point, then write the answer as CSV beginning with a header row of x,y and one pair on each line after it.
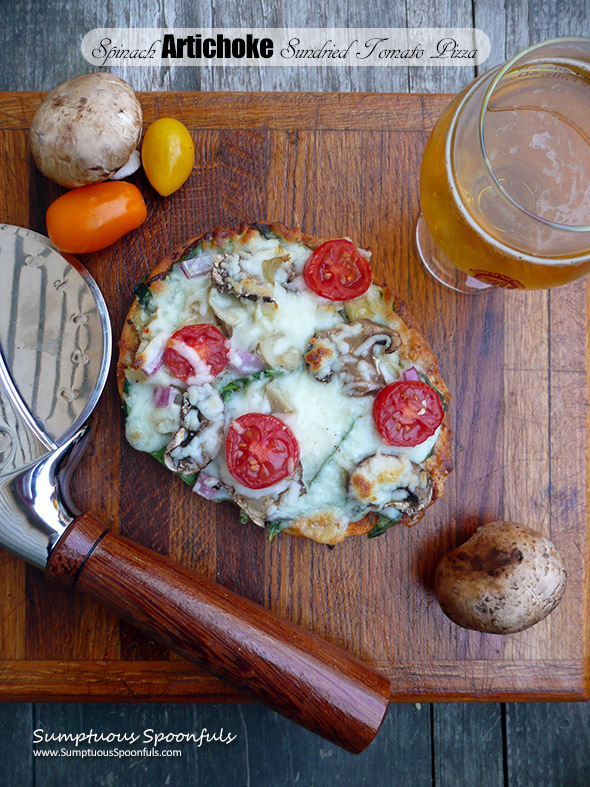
x,y
323,526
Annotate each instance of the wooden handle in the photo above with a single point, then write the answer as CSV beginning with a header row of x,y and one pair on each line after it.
x,y
264,656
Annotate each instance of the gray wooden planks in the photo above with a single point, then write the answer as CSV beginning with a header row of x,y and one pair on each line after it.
x,y
548,744
53,31
425,13
468,745
268,750
16,732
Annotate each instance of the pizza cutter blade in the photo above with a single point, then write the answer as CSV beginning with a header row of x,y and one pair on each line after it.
x,y
55,348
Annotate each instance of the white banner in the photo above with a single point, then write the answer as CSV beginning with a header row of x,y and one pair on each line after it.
x,y
319,47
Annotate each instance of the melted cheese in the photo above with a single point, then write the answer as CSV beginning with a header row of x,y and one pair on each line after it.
x,y
143,418
334,431
383,478
202,372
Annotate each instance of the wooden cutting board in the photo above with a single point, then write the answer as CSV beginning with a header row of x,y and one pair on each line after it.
x,y
516,363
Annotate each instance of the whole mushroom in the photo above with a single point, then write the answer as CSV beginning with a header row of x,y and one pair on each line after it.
x,y
506,578
87,130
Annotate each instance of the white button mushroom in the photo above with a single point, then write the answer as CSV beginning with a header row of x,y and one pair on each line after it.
x,y
87,130
506,578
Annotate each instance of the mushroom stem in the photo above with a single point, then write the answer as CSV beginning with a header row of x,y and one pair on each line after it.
x,y
130,166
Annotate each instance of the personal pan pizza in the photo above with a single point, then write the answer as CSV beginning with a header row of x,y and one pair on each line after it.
x,y
264,366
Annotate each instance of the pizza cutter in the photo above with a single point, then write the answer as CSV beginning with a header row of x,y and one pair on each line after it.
x,y
55,349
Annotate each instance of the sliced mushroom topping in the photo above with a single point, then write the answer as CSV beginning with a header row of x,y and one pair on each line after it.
x,y
232,274
200,436
351,351
383,482
263,510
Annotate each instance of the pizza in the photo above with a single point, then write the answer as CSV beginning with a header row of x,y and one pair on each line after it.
x,y
264,366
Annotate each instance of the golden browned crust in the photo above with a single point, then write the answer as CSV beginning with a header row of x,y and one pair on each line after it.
x,y
414,349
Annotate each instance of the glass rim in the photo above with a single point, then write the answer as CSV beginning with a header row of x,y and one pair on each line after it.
x,y
484,107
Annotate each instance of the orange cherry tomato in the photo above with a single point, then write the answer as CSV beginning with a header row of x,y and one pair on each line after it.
x,y
92,217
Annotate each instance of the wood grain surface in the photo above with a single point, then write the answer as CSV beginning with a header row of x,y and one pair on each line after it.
x,y
515,362
262,655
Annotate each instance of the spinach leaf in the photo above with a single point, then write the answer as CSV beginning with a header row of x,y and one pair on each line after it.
x,y
443,401
188,478
243,382
429,454
331,456
244,518
383,524
274,528
143,294
126,389
264,230
192,253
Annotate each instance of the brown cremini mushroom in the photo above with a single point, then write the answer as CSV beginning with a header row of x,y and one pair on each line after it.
x,y
87,130
200,435
506,578
263,510
386,482
231,274
351,351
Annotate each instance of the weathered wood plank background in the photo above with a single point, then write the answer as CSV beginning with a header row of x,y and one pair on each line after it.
x,y
451,745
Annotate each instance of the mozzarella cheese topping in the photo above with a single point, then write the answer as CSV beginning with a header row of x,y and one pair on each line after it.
x,y
335,431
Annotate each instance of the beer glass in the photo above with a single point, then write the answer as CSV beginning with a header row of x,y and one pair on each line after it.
x,y
505,178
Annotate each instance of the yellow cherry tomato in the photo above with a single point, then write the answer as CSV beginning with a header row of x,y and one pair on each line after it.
x,y
167,155
92,217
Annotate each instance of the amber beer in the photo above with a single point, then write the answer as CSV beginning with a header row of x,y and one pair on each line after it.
x,y
505,178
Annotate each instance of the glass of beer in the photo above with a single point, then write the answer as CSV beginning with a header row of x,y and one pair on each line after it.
x,y
505,178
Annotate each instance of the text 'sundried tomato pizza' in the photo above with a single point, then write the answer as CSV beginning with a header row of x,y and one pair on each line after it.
x,y
265,367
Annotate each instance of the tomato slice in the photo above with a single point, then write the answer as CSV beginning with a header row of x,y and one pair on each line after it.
x,y
407,412
337,271
260,450
197,353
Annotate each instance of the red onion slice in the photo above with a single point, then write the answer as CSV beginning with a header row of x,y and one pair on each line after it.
x,y
411,374
164,395
245,362
210,487
198,265
150,360
152,366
